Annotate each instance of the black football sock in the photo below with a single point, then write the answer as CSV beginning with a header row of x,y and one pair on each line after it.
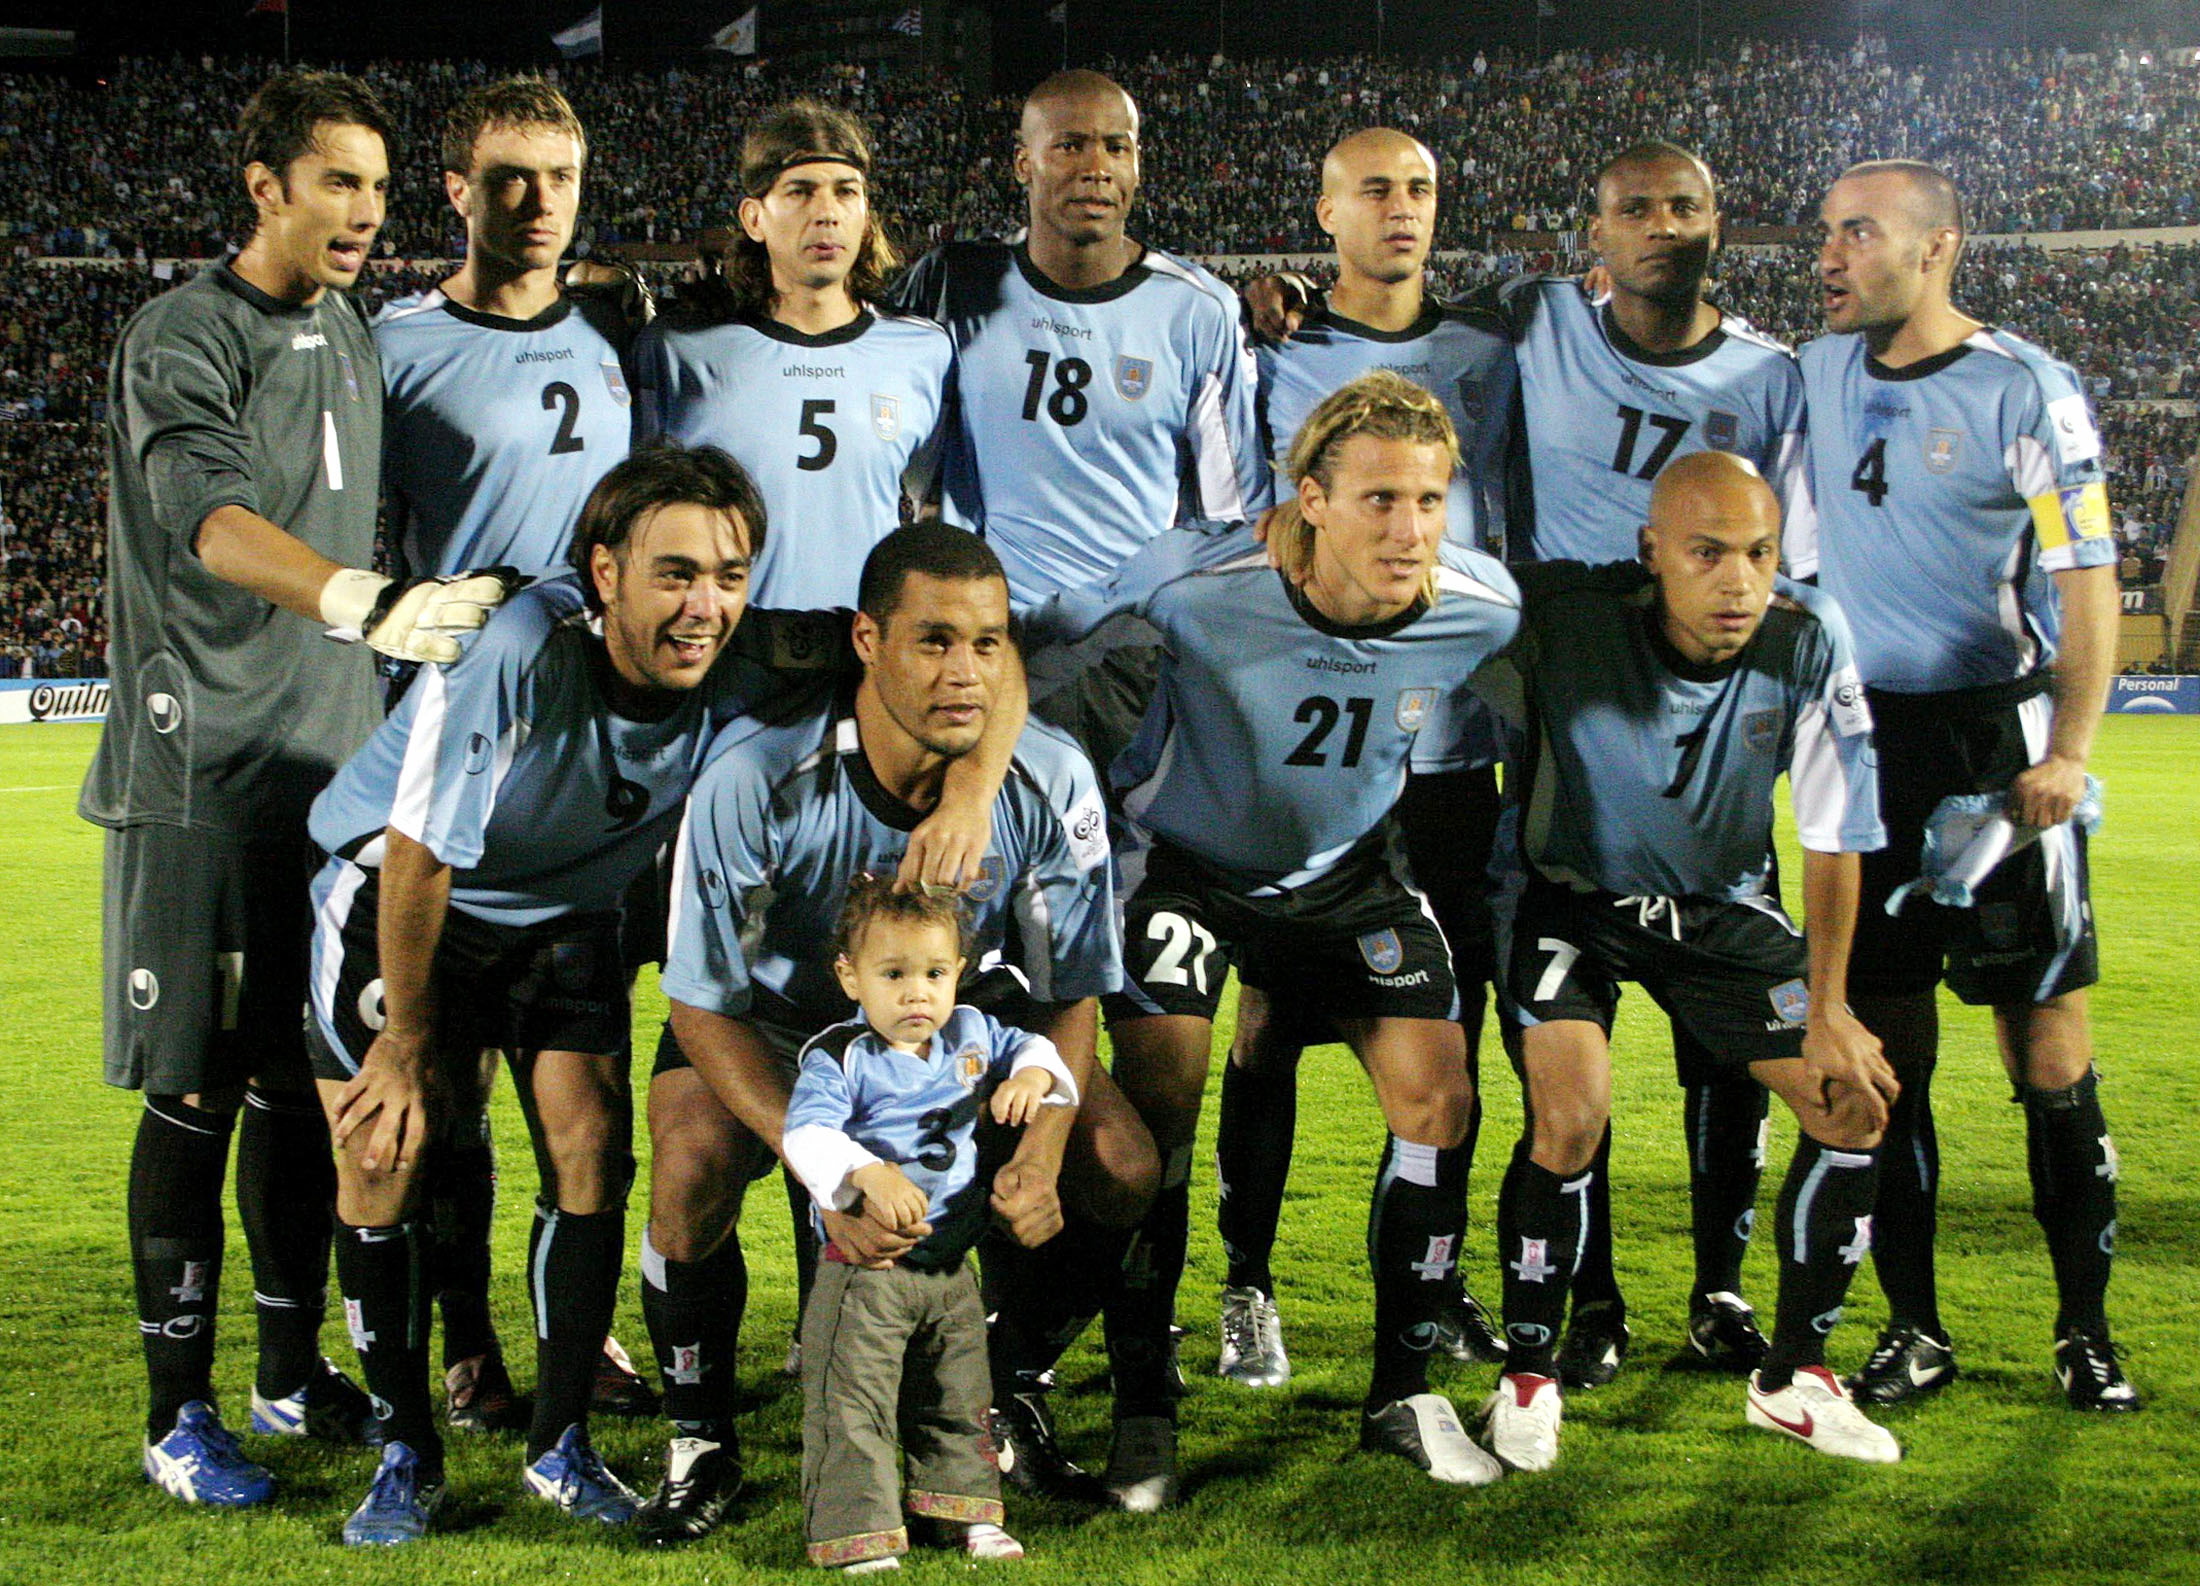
x,y
1416,1223
175,1216
693,1310
574,1279
1726,1160
1905,1220
1141,1356
1473,999
1038,1301
1253,1135
1594,1281
1540,1219
384,1275
2073,1165
1825,1226
462,1197
805,1244
286,1191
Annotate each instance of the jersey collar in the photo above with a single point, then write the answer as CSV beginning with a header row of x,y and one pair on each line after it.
x,y
1627,347
550,316
1432,314
1311,614
1924,367
1106,292
265,302
764,325
893,813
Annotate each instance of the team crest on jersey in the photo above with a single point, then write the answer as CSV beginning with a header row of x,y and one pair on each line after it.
x,y
1941,447
1791,1001
885,416
1721,430
986,885
1413,707
1133,378
1761,730
614,379
970,1066
1382,952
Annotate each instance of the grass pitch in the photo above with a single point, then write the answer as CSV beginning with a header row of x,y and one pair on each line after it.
x,y
1659,1482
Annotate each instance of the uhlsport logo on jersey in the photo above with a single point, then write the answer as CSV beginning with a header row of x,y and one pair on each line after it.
x,y
1721,430
1413,707
1382,951
885,416
1133,378
1941,447
614,380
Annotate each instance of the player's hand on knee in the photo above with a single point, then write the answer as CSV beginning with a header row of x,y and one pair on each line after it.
x,y
1847,1067
865,1241
1027,1202
417,620
387,1099
947,849
2047,794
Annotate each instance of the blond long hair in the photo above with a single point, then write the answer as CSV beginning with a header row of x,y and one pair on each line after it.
x,y
1380,403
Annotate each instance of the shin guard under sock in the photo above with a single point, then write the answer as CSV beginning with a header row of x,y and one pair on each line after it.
x,y
286,1193
462,1198
693,1310
384,1276
2073,1166
1253,1136
573,1281
1141,1350
175,1218
1825,1227
1541,1220
1726,1161
1594,1281
1416,1223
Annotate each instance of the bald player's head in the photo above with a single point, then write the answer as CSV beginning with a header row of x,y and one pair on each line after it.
x,y
1077,156
1928,193
1647,157
1713,544
1379,204
1077,87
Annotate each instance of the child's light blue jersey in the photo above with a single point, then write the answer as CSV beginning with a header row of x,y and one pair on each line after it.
x,y
1276,740
837,430
511,767
787,813
1463,356
857,1100
495,430
1647,776
1088,421
1949,492
1603,416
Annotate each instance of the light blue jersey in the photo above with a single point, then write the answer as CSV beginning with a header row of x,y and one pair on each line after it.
x,y
1276,740
1647,776
1949,492
857,1100
1602,417
838,431
495,430
510,766
1463,356
787,813
1088,421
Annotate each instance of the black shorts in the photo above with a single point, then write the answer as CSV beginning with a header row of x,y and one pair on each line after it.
x,y
645,915
1731,975
2003,950
553,987
1357,943
204,948
1449,821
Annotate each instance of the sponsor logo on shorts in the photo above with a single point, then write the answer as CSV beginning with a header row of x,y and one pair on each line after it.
x,y
885,416
1791,1001
1418,977
166,711
573,966
1382,952
144,989
1133,378
1413,707
1941,449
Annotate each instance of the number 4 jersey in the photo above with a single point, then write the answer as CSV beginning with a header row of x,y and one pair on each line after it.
x,y
1949,491
495,430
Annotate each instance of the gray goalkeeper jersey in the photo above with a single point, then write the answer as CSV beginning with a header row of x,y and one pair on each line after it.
x,y
229,714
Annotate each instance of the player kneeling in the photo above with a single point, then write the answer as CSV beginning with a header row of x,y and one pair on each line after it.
x,y
1661,703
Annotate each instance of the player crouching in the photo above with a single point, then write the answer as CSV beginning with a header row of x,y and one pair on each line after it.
x,y
1661,704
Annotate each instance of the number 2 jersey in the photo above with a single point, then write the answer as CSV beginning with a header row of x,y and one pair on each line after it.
x,y
1648,776
1602,416
495,429
835,429
1276,740
1089,420
1949,492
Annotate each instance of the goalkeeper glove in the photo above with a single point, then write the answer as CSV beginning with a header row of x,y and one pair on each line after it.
x,y
415,620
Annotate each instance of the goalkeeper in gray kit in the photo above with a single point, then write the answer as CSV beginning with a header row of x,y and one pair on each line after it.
x,y
244,442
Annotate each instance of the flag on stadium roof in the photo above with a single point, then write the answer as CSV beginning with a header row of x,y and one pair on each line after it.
x,y
269,8
737,37
584,37
910,22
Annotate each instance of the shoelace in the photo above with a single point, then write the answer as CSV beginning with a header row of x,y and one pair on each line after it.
x,y
1242,1326
392,1491
1650,909
222,1443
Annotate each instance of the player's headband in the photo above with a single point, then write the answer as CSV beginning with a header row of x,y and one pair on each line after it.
x,y
772,173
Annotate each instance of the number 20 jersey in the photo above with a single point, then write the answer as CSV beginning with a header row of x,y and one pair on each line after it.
x,y
1950,490
1090,420
495,430
1603,417
830,427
